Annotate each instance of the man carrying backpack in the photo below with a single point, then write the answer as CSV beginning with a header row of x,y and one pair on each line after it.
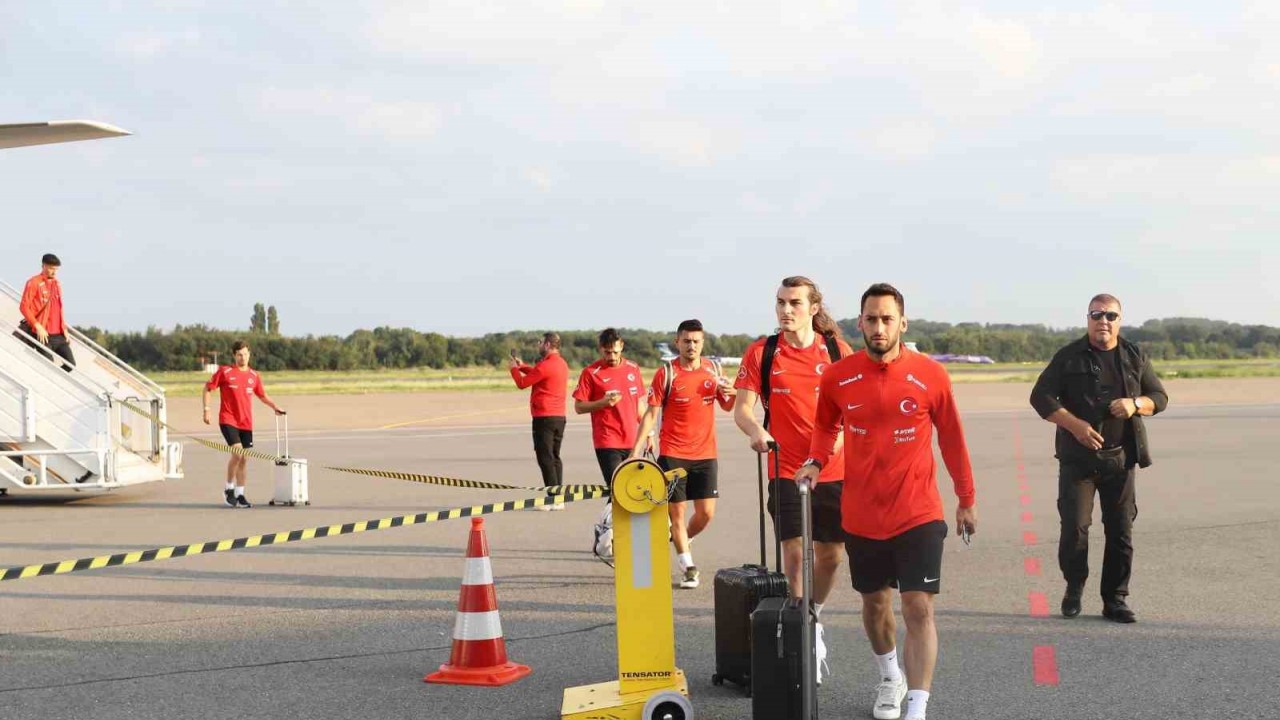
x,y
783,371
685,392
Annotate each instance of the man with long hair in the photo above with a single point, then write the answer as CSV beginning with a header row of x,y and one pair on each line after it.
x,y
807,343
888,399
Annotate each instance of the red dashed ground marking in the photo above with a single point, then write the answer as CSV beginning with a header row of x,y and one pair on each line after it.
x,y
1031,565
1044,665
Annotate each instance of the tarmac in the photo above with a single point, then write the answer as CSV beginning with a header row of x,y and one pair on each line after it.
x,y
348,626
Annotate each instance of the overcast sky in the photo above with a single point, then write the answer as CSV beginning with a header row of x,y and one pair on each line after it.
x,y
466,167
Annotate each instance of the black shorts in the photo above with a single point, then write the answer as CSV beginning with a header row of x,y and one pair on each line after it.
x,y
910,561
826,510
610,459
235,436
701,482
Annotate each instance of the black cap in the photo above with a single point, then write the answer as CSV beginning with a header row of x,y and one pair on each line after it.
x,y
50,259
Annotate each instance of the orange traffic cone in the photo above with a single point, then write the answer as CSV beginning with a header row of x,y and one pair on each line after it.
x,y
479,652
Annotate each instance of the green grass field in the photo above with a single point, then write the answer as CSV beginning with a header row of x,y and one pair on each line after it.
x,y
357,382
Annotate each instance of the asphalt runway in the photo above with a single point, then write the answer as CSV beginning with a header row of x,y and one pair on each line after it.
x,y
347,626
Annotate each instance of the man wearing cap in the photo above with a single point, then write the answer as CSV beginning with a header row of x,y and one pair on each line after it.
x,y
41,309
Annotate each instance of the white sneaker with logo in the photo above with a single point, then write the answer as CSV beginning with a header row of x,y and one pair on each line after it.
x,y
889,697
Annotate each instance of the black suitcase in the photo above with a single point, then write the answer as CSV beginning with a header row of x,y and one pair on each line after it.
x,y
783,683
738,591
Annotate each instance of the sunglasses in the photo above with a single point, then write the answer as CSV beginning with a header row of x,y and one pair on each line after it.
x,y
1111,316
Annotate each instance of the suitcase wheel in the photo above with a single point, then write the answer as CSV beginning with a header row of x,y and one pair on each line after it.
x,y
716,679
273,502
308,502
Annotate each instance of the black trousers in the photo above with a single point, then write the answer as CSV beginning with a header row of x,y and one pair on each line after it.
x,y
1076,487
57,344
548,434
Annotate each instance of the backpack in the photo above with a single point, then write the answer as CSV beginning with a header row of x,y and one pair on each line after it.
x,y
766,367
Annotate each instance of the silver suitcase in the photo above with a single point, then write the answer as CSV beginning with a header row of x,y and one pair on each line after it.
x,y
291,487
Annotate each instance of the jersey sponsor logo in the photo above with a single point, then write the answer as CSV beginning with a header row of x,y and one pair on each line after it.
x,y
780,391
904,435
908,405
855,430
915,381
680,400
853,379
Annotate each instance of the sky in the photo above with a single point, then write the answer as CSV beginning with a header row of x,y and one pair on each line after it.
x,y
469,166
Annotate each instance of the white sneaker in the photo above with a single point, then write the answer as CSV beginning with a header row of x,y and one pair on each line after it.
x,y
820,654
690,580
889,696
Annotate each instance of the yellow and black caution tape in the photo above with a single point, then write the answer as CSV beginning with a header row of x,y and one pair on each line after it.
x,y
252,541
388,474
459,483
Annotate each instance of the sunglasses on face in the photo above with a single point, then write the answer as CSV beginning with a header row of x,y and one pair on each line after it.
x,y
1111,316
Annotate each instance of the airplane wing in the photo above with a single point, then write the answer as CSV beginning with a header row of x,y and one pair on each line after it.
x,y
58,131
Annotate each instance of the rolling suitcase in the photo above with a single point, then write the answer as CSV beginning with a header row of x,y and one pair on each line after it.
x,y
783,683
738,591
291,486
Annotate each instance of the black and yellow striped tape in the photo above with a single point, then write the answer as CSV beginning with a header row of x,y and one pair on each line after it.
x,y
388,474
252,541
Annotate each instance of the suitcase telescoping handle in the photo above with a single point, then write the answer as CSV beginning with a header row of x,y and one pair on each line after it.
x,y
282,450
764,558
808,694
777,535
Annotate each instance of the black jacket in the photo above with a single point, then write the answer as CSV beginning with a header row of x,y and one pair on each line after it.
x,y
1072,380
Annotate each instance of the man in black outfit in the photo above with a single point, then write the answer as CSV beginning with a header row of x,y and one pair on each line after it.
x,y
1097,390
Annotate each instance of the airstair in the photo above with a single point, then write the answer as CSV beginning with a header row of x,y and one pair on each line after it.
x,y
71,431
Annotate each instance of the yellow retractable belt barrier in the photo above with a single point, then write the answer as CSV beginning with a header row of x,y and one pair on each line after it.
x,y
279,538
368,472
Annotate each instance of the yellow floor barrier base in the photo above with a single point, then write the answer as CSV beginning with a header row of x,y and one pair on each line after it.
x,y
603,701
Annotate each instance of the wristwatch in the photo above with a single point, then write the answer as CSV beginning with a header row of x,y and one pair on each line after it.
x,y
1137,404
811,462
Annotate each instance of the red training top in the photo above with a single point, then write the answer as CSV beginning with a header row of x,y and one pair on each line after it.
x,y
793,401
612,427
549,379
689,418
238,388
888,411
42,303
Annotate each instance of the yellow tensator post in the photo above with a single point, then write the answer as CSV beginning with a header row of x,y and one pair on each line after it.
x,y
649,685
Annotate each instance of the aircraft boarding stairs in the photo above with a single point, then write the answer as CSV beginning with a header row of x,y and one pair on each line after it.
x,y
70,431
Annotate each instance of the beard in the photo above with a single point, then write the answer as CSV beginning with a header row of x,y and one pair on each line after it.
x,y
873,350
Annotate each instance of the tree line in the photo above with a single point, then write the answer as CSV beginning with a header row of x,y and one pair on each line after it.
x,y
188,347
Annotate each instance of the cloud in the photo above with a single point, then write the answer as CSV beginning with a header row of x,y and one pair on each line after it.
x,y
150,46
538,178
393,119
1179,180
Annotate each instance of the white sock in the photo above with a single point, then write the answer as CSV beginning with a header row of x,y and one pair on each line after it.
x,y
888,663
239,491
917,703
685,559
231,485
817,610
